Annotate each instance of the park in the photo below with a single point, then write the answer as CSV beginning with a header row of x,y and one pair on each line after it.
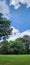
x,y
14,32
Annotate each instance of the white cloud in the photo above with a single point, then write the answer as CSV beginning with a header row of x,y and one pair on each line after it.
x,y
18,34
27,32
15,34
17,5
14,30
4,8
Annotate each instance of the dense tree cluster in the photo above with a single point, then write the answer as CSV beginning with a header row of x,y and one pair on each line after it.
x,y
19,46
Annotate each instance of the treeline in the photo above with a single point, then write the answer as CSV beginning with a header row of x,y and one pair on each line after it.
x,y
19,46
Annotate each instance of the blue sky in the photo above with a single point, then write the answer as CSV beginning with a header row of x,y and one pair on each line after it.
x,y
21,18
18,11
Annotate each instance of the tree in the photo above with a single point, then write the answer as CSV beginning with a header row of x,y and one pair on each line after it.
x,y
27,43
4,47
5,27
17,47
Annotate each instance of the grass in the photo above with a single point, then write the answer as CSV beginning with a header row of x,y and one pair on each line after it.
x,y
14,59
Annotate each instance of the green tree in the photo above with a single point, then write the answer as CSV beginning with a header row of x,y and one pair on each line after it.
x,y
27,43
4,47
17,47
5,27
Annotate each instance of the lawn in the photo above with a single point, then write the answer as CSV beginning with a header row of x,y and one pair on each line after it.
x,y
14,59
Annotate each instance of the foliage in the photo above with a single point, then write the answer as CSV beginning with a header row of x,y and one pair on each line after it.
x,y
19,46
5,27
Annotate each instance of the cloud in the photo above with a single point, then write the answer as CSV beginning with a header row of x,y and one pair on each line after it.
x,y
15,30
17,5
4,8
16,34
27,32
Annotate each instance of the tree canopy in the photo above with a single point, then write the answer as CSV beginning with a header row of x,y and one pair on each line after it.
x,y
5,27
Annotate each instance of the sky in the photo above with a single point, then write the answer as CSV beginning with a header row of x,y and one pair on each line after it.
x,y
18,12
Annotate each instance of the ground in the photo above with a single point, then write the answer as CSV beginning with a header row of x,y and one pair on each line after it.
x,y
14,59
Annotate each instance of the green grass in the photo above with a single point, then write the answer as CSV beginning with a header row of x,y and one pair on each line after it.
x,y
14,59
